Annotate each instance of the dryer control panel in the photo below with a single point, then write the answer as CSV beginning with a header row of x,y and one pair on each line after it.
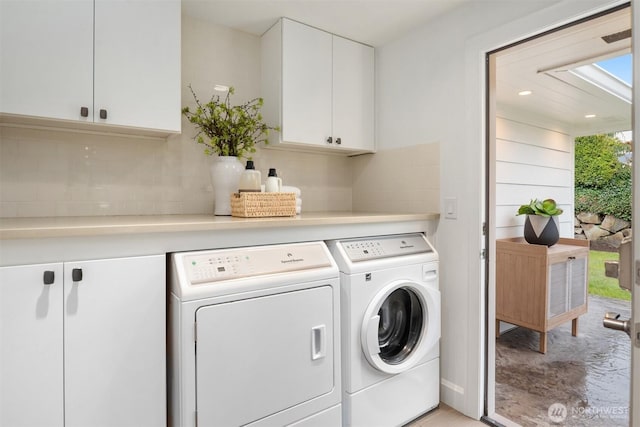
x,y
385,247
227,264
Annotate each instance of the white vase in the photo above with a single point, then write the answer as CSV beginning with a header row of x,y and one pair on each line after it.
x,y
225,175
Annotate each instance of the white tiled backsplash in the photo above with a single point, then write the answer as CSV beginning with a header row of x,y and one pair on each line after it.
x,y
53,173
405,179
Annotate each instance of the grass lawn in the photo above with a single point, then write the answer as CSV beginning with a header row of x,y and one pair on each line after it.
x,y
599,284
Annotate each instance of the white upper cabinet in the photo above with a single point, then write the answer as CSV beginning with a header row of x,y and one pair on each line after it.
x,y
137,63
353,103
319,88
46,58
306,84
94,61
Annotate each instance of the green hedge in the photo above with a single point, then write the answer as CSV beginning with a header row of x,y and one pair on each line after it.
x,y
614,201
602,180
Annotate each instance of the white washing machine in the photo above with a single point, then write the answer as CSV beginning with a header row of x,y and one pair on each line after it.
x,y
255,337
390,316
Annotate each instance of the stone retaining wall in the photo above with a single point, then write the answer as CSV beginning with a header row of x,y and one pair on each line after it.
x,y
605,232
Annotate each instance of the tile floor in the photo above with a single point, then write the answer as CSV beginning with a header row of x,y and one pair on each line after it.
x,y
445,416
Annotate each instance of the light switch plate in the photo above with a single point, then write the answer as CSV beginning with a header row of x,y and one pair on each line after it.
x,y
451,207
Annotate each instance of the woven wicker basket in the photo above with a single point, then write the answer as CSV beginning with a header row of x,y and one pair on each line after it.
x,y
254,205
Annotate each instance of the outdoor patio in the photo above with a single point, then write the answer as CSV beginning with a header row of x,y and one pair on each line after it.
x,y
588,374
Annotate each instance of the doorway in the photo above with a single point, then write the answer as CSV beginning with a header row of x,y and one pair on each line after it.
x,y
542,100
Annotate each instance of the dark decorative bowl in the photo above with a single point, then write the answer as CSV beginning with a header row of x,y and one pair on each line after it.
x,y
541,230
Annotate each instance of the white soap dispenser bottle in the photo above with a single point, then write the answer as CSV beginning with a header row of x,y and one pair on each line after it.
x,y
273,183
250,179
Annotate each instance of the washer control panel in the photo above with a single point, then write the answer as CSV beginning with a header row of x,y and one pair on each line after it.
x,y
385,247
227,264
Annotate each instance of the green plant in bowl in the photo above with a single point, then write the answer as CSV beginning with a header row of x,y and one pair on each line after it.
x,y
546,208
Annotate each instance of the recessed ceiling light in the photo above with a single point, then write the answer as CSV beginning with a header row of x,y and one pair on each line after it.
x,y
589,116
525,93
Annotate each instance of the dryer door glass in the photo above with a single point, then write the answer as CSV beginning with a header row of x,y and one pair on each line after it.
x,y
401,319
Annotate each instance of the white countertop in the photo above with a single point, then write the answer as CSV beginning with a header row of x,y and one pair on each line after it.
x,y
47,227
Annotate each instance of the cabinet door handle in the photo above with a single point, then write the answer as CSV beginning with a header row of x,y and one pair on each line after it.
x,y
103,114
571,257
76,274
49,277
330,140
84,112
338,141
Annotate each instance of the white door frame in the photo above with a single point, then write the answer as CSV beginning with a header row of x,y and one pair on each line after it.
x,y
635,318
476,51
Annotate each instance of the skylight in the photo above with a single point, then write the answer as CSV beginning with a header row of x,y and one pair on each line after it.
x,y
620,67
612,75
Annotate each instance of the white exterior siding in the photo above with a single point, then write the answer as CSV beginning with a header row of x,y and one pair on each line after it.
x,y
532,162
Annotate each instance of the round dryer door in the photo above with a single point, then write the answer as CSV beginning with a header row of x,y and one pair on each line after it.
x,y
400,326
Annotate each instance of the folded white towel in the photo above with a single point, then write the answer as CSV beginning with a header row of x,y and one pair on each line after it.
x,y
290,189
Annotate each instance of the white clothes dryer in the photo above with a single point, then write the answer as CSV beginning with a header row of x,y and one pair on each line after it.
x,y
390,316
255,337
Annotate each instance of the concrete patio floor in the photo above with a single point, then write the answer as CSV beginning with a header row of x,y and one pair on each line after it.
x,y
588,374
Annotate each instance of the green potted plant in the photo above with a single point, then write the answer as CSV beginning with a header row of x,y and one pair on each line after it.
x,y
541,226
231,132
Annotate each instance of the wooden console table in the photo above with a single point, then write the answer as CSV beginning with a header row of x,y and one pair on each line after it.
x,y
540,287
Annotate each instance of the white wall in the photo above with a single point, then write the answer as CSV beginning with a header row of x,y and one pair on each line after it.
x,y
62,173
532,162
430,87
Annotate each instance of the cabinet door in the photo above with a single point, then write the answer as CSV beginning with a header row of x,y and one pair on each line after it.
x,y
46,58
137,63
567,284
558,296
353,89
306,84
578,279
31,360
115,342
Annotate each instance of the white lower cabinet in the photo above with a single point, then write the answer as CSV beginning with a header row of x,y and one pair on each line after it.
x,y
83,343
31,346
